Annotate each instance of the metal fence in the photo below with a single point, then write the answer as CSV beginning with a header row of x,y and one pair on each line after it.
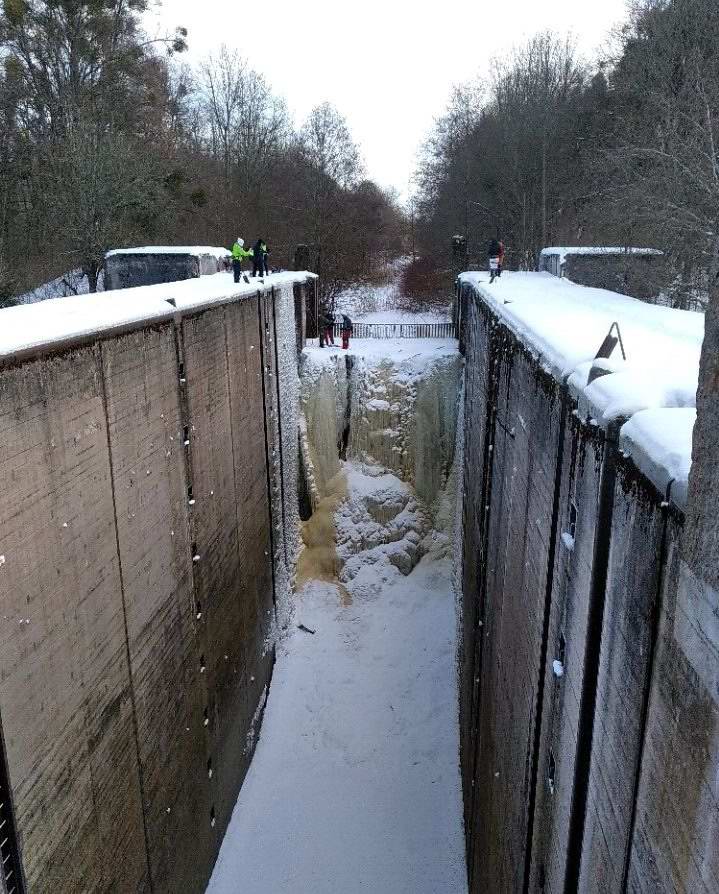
x,y
399,330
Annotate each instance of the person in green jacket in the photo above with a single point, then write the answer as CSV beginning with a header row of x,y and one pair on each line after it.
x,y
238,254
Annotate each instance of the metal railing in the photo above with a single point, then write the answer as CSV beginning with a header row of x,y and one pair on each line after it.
x,y
399,330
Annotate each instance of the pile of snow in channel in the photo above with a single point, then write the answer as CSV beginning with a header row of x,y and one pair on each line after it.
x,y
565,324
381,530
355,783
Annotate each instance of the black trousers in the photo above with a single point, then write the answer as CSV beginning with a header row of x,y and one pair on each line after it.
x,y
237,269
259,265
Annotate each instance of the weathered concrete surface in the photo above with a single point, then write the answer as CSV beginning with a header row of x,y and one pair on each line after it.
x,y
642,276
149,488
701,539
521,463
479,393
676,840
131,675
616,789
65,690
123,271
576,532
628,639
675,846
252,504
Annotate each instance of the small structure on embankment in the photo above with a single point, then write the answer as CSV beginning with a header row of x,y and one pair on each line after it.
x,y
127,268
148,525
588,715
640,272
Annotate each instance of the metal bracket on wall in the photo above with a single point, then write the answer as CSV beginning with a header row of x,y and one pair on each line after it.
x,y
610,342
605,351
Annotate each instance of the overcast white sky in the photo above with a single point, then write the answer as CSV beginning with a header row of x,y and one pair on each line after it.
x,y
388,65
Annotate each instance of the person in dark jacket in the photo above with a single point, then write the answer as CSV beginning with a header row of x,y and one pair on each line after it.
x,y
346,331
496,259
327,326
259,258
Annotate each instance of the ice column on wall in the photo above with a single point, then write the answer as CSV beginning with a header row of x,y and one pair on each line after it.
x,y
374,404
324,402
286,500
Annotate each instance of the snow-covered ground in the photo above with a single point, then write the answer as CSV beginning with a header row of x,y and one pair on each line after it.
x,y
368,303
355,783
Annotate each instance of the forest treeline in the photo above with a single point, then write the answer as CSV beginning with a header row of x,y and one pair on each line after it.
x,y
107,139
550,151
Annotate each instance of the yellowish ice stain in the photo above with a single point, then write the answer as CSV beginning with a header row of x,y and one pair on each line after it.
x,y
319,560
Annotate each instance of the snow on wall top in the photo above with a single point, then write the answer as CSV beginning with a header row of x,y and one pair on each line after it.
x,y
32,327
171,250
563,251
565,324
660,444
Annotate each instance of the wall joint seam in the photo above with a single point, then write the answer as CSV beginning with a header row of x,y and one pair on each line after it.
x,y
141,780
592,656
549,586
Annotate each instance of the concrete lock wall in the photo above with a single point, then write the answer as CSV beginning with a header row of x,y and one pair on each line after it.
x,y
140,505
571,677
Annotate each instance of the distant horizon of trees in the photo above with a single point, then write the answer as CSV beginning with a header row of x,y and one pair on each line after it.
x,y
550,151
107,140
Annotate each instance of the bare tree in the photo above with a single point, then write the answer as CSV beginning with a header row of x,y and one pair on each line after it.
x,y
499,161
666,145
223,83
105,141
104,194
332,167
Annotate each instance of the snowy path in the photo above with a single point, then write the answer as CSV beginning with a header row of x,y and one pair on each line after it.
x,y
355,783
